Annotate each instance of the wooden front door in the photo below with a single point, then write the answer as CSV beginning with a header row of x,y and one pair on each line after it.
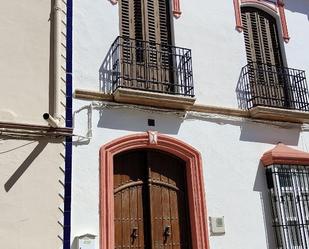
x,y
150,200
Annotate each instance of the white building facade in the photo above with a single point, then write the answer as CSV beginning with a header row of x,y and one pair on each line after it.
x,y
226,84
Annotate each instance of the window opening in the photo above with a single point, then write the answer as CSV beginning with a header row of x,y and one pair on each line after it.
x,y
148,59
269,79
288,185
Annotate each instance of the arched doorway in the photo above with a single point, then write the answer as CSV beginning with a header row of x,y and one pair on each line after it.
x,y
194,184
150,201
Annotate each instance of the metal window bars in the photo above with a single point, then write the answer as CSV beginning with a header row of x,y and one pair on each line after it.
x,y
148,66
289,193
273,86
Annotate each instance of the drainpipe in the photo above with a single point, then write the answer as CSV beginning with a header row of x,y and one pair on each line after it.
x,y
54,120
57,60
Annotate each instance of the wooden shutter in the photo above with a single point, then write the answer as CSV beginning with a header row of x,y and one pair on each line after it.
x,y
150,201
131,19
268,86
158,34
146,63
261,38
157,21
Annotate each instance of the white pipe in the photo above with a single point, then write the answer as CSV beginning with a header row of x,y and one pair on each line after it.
x,y
57,59
89,109
50,120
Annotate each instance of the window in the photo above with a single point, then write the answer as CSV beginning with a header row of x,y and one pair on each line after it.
x,y
143,57
289,191
265,80
267,76
145,28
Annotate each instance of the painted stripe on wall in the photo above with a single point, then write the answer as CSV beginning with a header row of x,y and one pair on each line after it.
x,y
68,140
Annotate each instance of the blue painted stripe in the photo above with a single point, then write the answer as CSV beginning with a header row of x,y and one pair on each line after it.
x,y
68,140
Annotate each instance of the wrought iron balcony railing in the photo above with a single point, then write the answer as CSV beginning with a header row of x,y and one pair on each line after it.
x,y
268,85
147,66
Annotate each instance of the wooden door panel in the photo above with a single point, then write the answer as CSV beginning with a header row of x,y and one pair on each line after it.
x,y
167,169
125,218
129,185
156,217
118,220
166,214
175,223
142,235
168,201
150,198
129,218
133,204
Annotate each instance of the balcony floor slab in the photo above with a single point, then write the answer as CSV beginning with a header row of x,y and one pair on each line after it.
x,y
138,97
278,114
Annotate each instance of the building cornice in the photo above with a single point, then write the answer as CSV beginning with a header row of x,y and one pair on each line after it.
x,y
179,103
22,130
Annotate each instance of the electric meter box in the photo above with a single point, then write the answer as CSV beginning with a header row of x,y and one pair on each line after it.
x,y
86,241
217,225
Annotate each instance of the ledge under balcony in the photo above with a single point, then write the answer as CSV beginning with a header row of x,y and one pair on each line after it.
x,y
152,74
273,93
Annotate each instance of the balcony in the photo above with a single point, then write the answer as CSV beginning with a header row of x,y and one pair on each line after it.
x,y
263,85
158,74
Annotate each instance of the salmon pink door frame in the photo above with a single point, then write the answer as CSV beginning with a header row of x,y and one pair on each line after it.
x,y
195,183
276,6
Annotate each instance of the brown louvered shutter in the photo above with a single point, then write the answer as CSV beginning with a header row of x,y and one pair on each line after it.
x,y
268,86
147,20
158,21
131,47
261,37
158,34
147,60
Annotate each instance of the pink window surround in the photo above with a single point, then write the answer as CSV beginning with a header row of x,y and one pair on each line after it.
x,y
275,6
176,7
195,183
282,154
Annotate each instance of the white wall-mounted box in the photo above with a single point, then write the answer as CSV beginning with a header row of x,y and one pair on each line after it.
x,y
217,226
86,241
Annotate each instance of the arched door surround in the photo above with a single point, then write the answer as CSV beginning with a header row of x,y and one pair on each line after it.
x,y
195,183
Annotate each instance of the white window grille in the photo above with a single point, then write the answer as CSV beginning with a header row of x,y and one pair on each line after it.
x,y
289,192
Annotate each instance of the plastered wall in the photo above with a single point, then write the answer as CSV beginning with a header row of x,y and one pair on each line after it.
x,y
206,27
26,64
230,147
30,195
31,170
